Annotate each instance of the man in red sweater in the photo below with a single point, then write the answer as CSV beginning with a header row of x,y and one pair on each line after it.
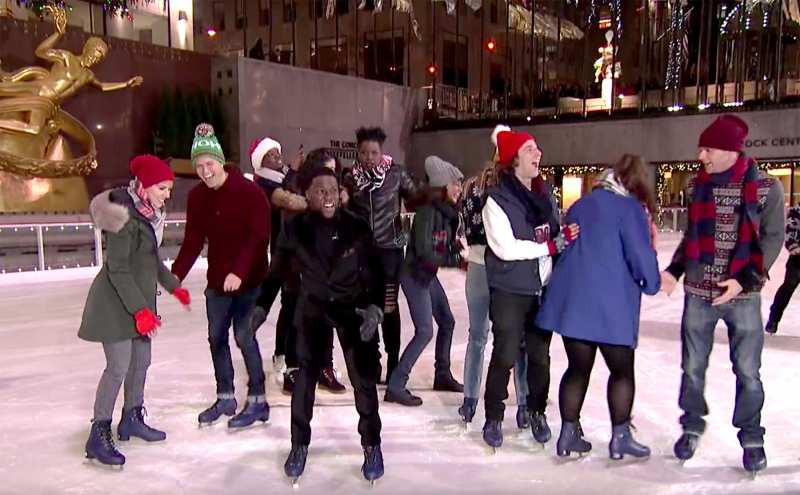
x,y
233,215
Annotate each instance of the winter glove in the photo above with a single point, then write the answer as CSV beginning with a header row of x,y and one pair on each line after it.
x,y
373,316
565,237
146,322
183,296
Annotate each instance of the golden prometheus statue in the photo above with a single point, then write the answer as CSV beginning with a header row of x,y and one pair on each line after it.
x,y
34,131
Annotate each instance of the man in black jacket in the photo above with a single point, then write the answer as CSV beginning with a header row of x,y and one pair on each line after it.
x,y
376,186
334,253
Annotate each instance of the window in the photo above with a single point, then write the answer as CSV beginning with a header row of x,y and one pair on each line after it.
x,y
288,11
218,14
281,54
380,63
316,7
263,12
454,63
493,12
239,14
328,57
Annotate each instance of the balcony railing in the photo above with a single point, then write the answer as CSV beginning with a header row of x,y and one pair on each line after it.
x,y
454,103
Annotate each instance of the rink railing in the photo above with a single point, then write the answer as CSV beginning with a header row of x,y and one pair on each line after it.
x,y
40,228
670,218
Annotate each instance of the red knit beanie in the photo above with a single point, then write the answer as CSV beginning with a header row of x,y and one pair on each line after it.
x,y
508,145
727,133
151,170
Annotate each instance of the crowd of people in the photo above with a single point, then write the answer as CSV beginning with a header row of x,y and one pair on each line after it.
x,y
331,242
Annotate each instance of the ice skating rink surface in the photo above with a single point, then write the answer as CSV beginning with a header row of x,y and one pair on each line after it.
x,y
48,378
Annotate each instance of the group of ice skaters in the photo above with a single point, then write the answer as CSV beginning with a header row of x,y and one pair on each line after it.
x,y
339,255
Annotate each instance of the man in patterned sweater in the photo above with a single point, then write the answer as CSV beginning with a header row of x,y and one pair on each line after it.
x,y
792,277
733,236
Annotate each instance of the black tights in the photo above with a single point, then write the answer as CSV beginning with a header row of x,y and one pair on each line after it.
x,y
621,385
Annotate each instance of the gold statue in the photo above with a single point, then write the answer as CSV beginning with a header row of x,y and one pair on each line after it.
x,y
33,128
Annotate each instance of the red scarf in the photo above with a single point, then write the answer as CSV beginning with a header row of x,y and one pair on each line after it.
x,y
701,232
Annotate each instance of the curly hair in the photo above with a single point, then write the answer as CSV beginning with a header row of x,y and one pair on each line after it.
x,y
370,134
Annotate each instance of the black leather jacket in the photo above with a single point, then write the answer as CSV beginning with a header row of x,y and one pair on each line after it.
x,y
381,207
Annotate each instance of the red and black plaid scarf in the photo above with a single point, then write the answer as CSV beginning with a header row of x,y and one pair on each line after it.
x,y
700,234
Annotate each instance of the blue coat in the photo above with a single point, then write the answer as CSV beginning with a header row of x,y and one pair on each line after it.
x,y
596,287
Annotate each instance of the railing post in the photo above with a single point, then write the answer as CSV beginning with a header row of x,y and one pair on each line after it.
x,y
40,246
98,246
674,219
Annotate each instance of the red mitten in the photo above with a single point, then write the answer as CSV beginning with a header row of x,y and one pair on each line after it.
x,y
146,321
183,296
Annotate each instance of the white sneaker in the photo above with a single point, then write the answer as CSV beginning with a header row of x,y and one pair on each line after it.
x,y
279,364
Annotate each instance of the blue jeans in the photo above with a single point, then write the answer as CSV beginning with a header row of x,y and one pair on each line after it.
x,y
477,291
425,303
746,336
223,310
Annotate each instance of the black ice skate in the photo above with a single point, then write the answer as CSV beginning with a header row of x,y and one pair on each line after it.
x,y
754,459
372,469
252,412
132,425
571,440
540,429
493,434
296,463
217,409
101,446
467,411
622,443
685,446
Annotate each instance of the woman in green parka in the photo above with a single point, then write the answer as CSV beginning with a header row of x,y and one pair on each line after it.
x,y
120,310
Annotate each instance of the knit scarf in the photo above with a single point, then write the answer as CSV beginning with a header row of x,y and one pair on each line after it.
x,y
608,181
538,207
701,230
369,179
153,215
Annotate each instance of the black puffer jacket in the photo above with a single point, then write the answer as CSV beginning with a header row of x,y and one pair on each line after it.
x,y
381,207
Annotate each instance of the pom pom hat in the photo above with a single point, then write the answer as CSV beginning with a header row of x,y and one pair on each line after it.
x,y
205,143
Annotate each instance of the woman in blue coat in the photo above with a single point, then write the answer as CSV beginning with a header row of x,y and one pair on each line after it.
x,y
594,298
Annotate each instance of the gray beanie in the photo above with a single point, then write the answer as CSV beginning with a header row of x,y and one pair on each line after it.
x,y
440,173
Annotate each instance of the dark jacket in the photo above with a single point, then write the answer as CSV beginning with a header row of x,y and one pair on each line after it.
x,y
380,208
519,263
793,228
235,220
596,289
433,241
346,277
127,281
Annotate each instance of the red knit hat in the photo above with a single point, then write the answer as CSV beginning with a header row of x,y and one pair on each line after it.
x,y
151,170
727,133
509,143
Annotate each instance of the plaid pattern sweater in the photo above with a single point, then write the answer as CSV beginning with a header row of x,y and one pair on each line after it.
x,y
703,281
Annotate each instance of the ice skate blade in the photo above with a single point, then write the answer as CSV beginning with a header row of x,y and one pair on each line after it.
x,y
295,482
91,461
235,429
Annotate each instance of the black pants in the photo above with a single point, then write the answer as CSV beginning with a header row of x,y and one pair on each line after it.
x,y
313,321
784,294
391,260
513,318
286,327
621,384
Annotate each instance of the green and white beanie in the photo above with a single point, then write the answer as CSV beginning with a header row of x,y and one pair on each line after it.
x,y
205,143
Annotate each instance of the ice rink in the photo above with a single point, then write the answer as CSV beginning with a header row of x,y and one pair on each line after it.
x,y
48,378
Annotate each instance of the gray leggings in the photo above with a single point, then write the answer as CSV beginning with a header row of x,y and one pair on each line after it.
x,y
126,361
